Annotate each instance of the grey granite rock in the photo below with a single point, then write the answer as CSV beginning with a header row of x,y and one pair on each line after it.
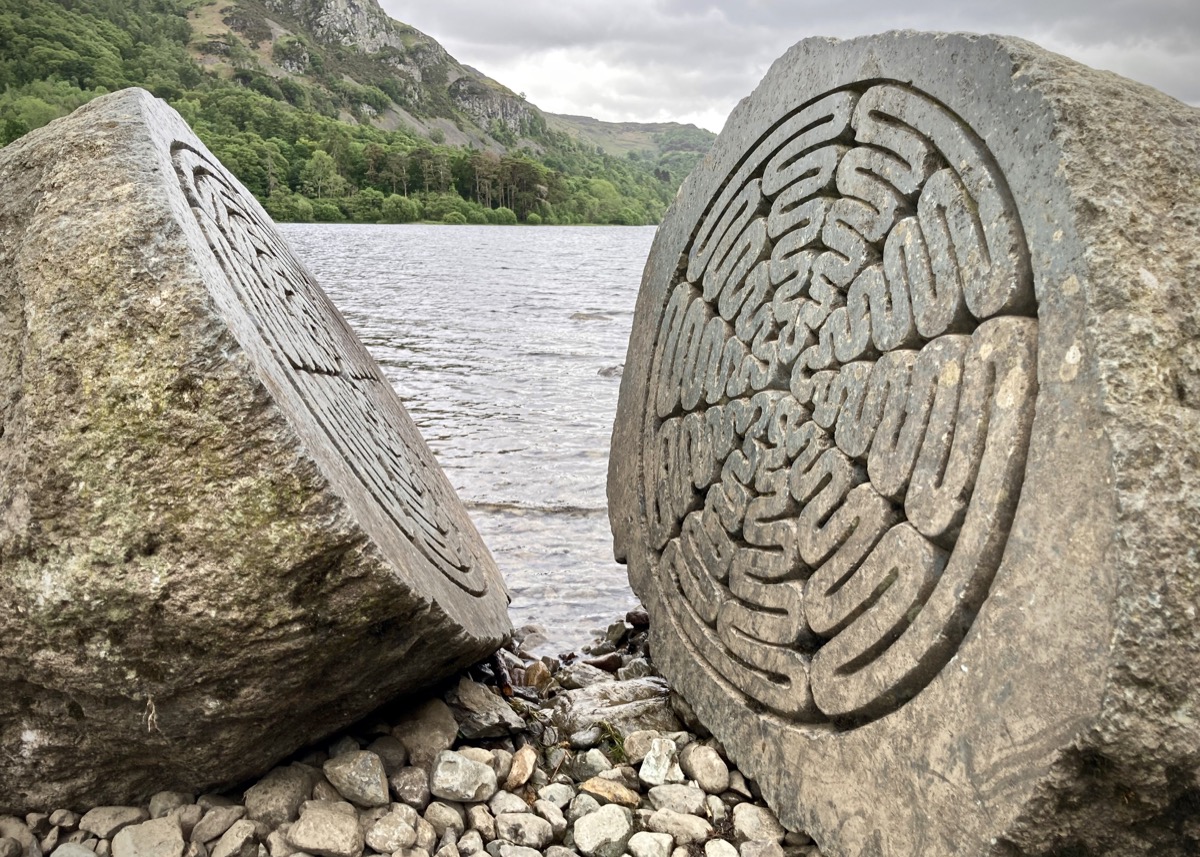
x,y
231,514
553,816
277,797
481,713
524,828
647,844
626,706
359,777
445,815
705,765
756,823
159,837
559,794
240,840
105,821
456,777
426,731
660,764
72,849
326,829
605,832
411,786
906,466
161,804
215,822
682,828
679,797
719,848
391,751
480,819
391,833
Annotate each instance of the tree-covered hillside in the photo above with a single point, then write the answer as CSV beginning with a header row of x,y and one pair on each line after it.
x,y
389,128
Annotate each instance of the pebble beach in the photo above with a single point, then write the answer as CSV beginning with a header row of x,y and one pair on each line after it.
x,y
584,754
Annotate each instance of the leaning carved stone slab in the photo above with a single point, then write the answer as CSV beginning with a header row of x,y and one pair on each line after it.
x,y
221,536
907,459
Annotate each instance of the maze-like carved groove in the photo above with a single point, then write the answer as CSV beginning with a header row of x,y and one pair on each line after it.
x,y
329,368
839,406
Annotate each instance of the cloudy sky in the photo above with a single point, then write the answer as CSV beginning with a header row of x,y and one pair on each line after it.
x,y
687,61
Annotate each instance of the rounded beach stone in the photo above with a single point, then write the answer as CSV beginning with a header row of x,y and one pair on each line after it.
x,y
455,777
159,837
605,832
705,765
906,466
524,828
326,829
277,797
359,777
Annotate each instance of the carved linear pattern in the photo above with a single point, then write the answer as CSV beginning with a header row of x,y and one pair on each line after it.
x,y
839,406
328,367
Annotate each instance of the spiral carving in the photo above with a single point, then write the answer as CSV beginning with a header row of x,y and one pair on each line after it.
x,y
839,406
329,368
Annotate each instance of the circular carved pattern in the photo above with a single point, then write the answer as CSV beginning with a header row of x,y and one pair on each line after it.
x,y
839,406
329,368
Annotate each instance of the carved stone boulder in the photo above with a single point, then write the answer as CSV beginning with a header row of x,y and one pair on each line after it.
x,y
221,536
906,466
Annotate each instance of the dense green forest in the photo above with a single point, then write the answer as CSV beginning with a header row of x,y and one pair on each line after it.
x,y
306,144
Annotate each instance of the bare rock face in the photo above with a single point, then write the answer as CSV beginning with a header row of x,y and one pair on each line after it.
x,y
221,536
906,467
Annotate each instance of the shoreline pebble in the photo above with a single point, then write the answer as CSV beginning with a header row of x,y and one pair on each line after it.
x,y
583,755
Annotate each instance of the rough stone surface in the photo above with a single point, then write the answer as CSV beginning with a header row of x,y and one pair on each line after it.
x,y
481,713
705,765
232,520
238,841
683,828
906,467
756,823
679,797
455,777
105,821
426,731
359,777
215,822
325,829
391,833
626,706
659,766
524,828
277,797
604,832
647,844
411,786
160,837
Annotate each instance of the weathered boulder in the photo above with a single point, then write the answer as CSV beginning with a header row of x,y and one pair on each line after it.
x,y
906,466
221,535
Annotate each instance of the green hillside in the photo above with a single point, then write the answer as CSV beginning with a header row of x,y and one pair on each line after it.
x,y
329,110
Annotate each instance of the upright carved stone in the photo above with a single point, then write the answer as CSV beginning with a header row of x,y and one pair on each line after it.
x,y
221,536
906,466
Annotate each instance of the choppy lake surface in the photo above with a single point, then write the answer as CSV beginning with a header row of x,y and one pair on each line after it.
x,y
504,343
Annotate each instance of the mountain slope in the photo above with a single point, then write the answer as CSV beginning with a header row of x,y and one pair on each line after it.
x,y
330,109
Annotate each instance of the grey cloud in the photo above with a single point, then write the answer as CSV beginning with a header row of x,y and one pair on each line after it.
x,y
687,58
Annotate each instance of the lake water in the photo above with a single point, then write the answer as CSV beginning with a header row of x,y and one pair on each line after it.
x,y
505,343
